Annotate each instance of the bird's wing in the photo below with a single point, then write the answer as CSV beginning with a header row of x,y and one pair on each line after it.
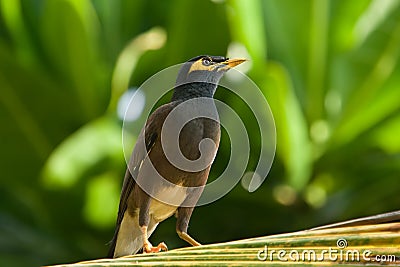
x,y
140,152
144,144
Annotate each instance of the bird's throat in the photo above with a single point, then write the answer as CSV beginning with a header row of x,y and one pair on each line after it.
x,y
193,90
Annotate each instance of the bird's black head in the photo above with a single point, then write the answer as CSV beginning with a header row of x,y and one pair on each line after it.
x,y
199,76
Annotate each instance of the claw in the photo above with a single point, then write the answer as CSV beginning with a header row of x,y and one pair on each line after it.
x,y
148,248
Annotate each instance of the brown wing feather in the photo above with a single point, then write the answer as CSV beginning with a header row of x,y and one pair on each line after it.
x,y
142,149
131,173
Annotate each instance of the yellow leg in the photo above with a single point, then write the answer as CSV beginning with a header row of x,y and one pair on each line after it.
x,y
188,238
147,247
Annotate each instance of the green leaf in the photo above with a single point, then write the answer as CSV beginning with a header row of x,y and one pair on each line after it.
x,y
82,151
384,138
293,144
69,29
331,246
246,25
102,198
380,53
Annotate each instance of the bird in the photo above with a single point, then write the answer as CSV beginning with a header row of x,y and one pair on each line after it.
x,y
154,188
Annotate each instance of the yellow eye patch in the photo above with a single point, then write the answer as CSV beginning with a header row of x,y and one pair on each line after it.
x,y
198,65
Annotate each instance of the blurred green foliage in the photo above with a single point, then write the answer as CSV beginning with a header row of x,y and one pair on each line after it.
x,y
329,69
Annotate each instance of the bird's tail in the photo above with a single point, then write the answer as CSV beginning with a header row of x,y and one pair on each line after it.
x,y
112,243
127,238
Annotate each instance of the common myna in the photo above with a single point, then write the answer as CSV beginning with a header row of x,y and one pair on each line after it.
x,y
147,200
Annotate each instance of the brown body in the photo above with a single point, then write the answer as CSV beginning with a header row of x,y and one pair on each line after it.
x,y
137,209
155,187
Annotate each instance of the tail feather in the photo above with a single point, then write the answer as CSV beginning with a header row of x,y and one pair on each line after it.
x,y
112,243
127,238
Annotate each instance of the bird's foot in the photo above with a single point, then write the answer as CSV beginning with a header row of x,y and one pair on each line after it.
x,y
148,248
185,236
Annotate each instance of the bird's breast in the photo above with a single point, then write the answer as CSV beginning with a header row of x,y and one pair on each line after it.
x,y
183,156
194,133
160,210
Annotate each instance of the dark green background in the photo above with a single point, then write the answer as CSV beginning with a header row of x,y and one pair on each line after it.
x,y
329,69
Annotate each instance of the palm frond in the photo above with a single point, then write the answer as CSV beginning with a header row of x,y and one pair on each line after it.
x,y
371,241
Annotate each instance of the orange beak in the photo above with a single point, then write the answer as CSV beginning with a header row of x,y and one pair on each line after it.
x,y
230,63
234,62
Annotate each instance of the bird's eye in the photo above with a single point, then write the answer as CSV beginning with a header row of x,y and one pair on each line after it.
x,y
206,62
